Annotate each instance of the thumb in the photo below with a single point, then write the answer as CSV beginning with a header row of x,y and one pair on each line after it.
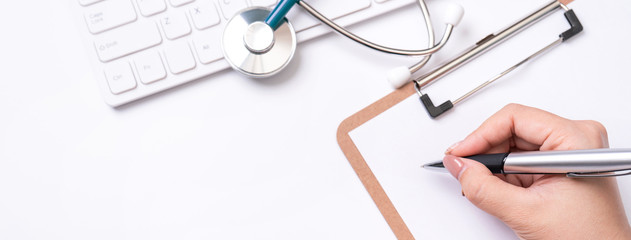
x,y
486,191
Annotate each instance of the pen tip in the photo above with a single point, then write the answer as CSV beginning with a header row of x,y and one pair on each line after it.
x,y
437,164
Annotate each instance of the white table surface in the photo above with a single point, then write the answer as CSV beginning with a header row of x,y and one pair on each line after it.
x,y
226,157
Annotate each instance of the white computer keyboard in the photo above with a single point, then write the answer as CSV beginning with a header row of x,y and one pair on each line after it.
x,y
141,47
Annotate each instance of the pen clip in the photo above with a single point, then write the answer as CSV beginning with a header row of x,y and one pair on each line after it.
x,y
616,173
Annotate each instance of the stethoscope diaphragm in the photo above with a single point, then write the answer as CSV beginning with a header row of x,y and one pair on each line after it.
x,y
255,49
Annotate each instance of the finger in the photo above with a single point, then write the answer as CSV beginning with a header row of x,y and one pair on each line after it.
x,y
524,145
485,190
531,125
582,134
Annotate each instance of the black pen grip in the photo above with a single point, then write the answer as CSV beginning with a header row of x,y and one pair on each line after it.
x,y
494,162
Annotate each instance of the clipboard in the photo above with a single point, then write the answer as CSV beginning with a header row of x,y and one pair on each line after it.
x,y
359,165
379,194
574,92
415,203
431,199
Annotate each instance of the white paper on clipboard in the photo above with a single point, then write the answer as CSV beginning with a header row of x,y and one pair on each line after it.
x,y
575,80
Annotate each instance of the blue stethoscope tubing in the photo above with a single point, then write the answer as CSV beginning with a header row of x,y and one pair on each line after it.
x,y
276,21
276,17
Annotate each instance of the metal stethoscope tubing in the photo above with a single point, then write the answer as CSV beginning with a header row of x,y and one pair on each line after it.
x,y
269,41
399,76
432,49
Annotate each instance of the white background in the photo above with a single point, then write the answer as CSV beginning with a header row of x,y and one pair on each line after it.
x,y
225,157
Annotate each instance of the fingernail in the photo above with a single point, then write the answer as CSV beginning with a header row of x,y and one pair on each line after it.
x,y
452,147
454,165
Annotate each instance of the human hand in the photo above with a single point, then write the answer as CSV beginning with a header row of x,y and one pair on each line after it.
x,y
539,206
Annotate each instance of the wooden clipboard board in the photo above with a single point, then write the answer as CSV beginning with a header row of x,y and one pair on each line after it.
x,y
359,164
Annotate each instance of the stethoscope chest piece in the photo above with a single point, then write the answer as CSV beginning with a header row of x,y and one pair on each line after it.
x,y
253,48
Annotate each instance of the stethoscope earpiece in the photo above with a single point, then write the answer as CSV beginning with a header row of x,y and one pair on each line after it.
x,y
399,76
453,14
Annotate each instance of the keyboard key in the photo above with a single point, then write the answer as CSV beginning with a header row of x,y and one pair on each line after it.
x,y
126,40
149,67
88,2
109,14
131,32
151,7
230,7
179,57
204,15
264,3
175,25
208,45
332,9
120,77
177,3
336,10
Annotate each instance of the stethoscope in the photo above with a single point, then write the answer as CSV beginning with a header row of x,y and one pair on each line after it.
x,y
260,43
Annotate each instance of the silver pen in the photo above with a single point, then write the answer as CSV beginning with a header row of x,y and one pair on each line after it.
x,y
573,163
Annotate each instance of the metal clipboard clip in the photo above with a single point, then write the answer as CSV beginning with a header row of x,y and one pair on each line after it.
x,y
489,42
